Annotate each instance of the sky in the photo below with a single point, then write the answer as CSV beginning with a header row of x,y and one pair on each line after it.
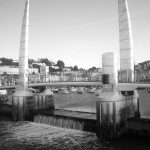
x,y
77,32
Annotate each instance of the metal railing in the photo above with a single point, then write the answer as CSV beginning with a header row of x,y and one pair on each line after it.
x,y
120,86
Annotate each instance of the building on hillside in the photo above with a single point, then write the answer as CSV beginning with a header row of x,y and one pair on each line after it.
x,y
55,67
15,70
95,75
34,78
40,64
142,71
66,70
9,70
33,71
44,72
8,79
44,69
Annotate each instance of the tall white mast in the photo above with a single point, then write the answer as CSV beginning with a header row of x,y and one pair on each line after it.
x,y
125,39
23,52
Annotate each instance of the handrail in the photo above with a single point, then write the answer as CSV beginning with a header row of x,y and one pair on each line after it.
x,y
66,84
51,84
120,86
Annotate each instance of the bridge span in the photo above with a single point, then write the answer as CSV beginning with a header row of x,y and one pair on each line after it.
x,y
120,86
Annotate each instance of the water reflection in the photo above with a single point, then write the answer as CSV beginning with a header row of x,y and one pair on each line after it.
x,y
87,102
29,135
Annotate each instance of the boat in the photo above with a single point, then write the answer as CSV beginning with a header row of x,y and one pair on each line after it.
x,y
65,92
80,90
97,93
91,91
3,98
72,90
55,90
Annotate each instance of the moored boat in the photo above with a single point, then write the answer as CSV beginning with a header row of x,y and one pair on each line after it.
x,y
80,90
72,90
91,91
65,92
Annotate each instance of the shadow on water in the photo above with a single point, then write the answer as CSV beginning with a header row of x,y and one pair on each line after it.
x,y
5,117
123,142
27,135
130,142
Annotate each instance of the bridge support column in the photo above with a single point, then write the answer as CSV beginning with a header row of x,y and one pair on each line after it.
x,y
113,107
44,100
113,110
22,101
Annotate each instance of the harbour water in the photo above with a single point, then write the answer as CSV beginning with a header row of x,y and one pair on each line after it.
x,y
34,136
144,97
31,135
76,102
87,102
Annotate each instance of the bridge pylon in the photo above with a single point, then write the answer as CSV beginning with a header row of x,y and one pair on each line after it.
x,y
23,100
114,106
126,73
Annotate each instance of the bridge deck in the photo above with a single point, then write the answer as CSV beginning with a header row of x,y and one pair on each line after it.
x,y
120,86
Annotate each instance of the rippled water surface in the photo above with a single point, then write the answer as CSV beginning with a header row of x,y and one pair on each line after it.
x,y
76,102
29,135
87,102
34,136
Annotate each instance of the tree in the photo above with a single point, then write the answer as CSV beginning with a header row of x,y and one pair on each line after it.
x,y
53,70
6,61
15,64
71,68
75,68
4,74
81,69
31,61
36,66
92,69
46,61
60,64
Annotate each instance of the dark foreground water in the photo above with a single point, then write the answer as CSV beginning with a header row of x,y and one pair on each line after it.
x,y
29,135
34,136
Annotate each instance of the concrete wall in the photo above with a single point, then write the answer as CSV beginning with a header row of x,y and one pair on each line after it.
x,y
113,111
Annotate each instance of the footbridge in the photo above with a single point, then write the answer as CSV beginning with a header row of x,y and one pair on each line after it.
x,y
116,101
120,86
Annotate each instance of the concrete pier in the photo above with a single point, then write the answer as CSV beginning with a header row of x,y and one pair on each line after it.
x,y
20,101
113,107
23,100
22,94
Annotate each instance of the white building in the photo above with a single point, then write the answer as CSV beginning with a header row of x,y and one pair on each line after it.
x,y
44,70
15,70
